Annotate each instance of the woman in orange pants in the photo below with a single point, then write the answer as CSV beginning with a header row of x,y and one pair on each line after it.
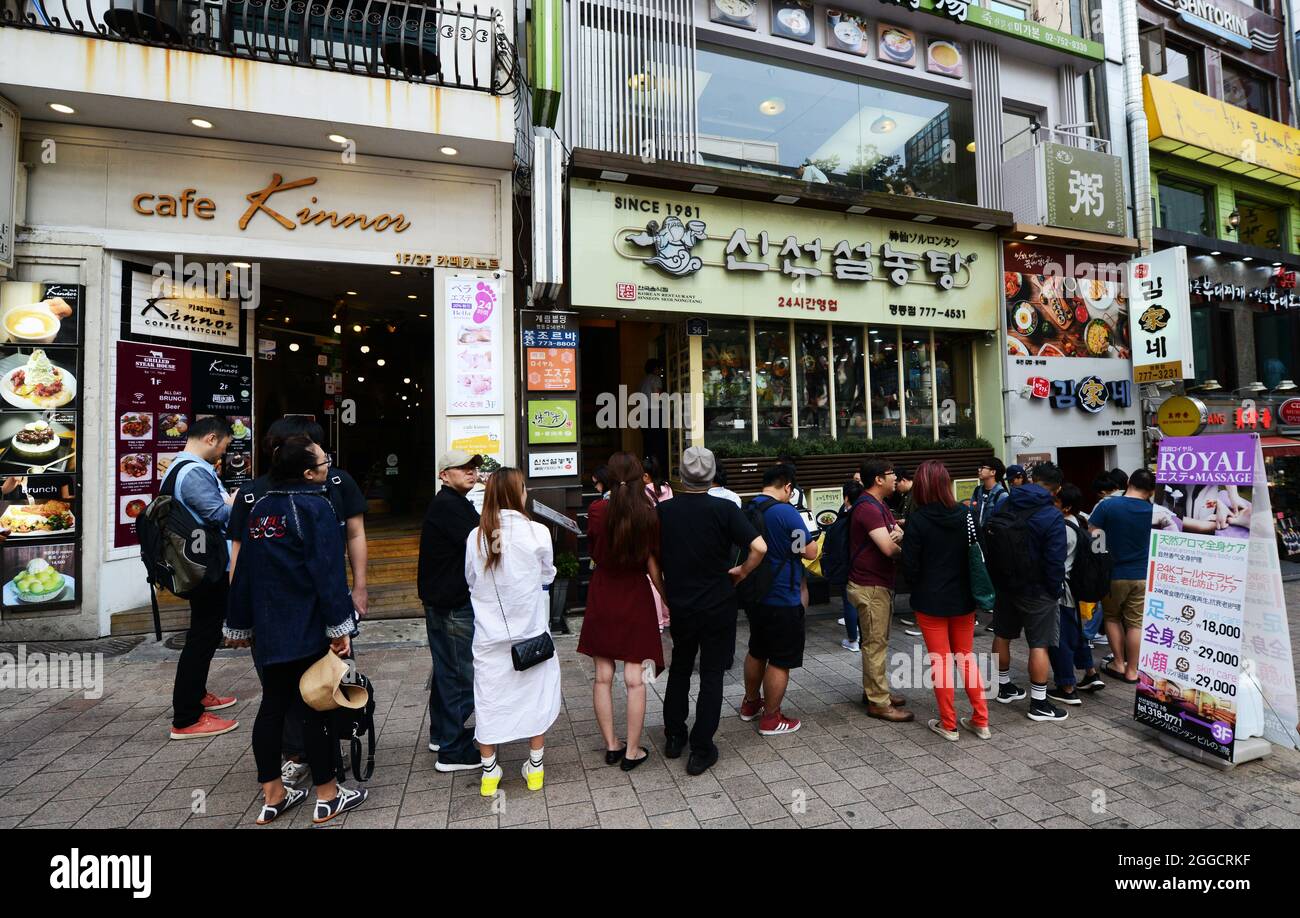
x,y
935,560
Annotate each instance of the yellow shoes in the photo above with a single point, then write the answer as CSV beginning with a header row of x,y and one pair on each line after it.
x,y
533,775
490,781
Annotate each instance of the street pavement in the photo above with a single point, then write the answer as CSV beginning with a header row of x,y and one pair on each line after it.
x,y
69,761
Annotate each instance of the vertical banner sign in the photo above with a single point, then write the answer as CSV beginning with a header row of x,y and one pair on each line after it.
x,y
1202,614
10,125
550,351
473,351
1160,316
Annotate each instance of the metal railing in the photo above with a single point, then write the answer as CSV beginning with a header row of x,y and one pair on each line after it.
x,y
434,42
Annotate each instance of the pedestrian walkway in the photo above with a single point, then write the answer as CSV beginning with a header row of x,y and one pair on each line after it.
x,y
70,761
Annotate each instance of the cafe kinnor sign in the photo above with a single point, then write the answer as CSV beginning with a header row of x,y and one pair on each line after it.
x,y
668,251
191,204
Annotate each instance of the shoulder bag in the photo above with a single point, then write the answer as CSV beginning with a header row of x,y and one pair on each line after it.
x,y
529,652
981,584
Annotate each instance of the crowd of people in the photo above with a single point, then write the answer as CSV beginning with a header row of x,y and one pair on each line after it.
x,y
687,562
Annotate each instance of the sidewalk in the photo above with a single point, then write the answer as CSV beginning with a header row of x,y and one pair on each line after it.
x,y
70,761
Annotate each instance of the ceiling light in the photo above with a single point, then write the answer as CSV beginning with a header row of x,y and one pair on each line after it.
x,y
611,176
365,349
1248,258
1277,264
883,125
859,209
337,138
772,106
406,380
970,147
785,199
63,109
424,315
1030,237
379,362
361,379
356,328
412,296
352,293
338,329
396,273
448,151
1216,253
403,398
286,320
924,218
201,123
704,189
240,264
982,226
294,347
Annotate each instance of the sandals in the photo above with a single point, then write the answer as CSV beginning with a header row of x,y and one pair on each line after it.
x,y
1114,675
347,799
292,797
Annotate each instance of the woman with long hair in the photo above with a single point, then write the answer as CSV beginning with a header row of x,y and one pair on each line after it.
x,y
508,561
656,487
620,620
936,547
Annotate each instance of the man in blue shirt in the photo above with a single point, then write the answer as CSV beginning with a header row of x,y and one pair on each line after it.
x,y
200,490
1126,521
776,625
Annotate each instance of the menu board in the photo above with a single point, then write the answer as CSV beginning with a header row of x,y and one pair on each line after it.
x,y
161,391
41,366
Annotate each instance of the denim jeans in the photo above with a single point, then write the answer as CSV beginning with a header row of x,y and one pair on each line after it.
x,y
1092,627
850,615
1072,651
451,685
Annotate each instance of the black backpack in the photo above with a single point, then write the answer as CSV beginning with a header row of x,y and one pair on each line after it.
x,y
1091,571
754,589
348,725
1009,551
836,562
181,553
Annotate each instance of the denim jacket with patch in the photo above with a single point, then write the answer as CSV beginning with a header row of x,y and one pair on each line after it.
x,y
290,592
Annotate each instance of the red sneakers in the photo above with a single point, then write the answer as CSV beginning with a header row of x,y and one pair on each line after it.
x,y
208,725
751,709
213,702
777,723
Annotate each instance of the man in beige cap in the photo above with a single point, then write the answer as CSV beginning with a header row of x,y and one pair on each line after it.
x,y
448,615
697,538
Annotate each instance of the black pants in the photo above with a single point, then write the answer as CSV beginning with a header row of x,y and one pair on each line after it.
x,y
207,612
281,702
711,635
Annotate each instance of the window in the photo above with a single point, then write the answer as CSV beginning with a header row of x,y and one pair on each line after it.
x,y
1185,208
918,379
1009,8
773,379
1017,135
1261,224
726,382
1214,345
760,114
955,384
1275,348
814,380
850,381
1183,65
1245,89
885,417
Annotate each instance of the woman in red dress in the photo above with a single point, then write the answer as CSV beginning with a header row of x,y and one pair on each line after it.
x,y
621,622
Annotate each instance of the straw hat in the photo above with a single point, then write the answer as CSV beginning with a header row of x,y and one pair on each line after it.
x,y
321,686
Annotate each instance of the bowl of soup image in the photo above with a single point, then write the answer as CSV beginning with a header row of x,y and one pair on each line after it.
x,y
32,324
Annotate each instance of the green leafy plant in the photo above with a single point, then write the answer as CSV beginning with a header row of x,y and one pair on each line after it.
x,y
566,565
825,446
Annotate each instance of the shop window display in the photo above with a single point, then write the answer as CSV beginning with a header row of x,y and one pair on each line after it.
x,y
773,381
814,381
886,417
850,381
955,385
918,378
727,393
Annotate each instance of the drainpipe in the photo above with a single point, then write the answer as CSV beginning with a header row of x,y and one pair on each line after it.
x,y
1135,112
1288,38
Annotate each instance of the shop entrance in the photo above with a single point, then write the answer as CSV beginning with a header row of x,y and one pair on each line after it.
x,y
631,355
1081,465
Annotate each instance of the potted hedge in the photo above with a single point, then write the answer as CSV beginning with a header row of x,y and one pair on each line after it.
x,y
566,570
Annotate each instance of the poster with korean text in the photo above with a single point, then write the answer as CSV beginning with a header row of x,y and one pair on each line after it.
x,y
1160,316
474,352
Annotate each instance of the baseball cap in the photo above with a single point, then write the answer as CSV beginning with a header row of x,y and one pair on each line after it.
x,y
697,469
458,458
1015,471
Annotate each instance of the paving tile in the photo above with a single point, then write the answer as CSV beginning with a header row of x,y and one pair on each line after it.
x,y
626,818
711,806
914,817
681,819
573,816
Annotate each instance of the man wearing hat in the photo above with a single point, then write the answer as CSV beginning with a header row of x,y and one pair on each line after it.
x,y
448,615
1016,475
697,538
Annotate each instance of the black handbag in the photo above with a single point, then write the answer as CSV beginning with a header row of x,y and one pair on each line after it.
x,y
529,652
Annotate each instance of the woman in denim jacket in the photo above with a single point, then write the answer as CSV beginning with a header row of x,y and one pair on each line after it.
x,y
290,592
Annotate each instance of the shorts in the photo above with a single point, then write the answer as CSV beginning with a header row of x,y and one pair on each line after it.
x,y
776,635
1037,614
1125,602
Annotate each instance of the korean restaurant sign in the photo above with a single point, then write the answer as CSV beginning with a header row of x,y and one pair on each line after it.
x,y
1085,189
1160,316
1214,621
675,252
973,13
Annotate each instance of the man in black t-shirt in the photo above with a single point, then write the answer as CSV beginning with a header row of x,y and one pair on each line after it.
x,y
697,533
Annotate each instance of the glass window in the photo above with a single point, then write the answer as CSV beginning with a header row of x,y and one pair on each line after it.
x,y
1016,135
1245,89
1182,66
850,381
1275,350
1214,345
726,383
884,383
1261,224
918,379
1009,8
1185,207
760,114
773,381
814,380
956,385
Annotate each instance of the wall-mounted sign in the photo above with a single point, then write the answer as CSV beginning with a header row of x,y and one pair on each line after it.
x,y
480,436
473,349
1279,297
697,328
1182,416
1085,189
686,253
1090,394
1160,316
159,308
1216,19
552,421
1058,306
1289,411
553,465
550,342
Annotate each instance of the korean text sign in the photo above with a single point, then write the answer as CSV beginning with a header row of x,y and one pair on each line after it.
x,y
1160,316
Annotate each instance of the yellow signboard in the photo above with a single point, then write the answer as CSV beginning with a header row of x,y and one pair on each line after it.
x,y
1182,416
1177,115
658,250
1157,372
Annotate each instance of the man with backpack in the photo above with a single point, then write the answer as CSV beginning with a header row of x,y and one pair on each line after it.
x,y
776,620
1024,547
1084,570
1126,522
989,493
192,480
874,546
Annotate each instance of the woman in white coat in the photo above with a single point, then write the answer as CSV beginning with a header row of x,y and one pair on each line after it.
x,y
508,560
